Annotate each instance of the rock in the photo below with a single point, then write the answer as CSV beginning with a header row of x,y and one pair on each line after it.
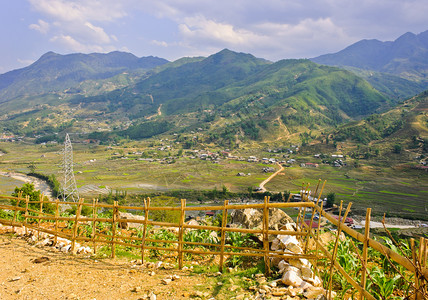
x,y
175,277
158,264
307,272
137,289
166,281
252,218
41,260
14,279
314,292
128,225
289,242
299,263
152,273
305,285
66,248
291,278
152,296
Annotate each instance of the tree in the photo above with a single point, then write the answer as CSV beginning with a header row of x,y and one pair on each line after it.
x,y
32,167
28,190
331,197
397,148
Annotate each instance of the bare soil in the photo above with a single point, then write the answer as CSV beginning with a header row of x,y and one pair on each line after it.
x,y
64,276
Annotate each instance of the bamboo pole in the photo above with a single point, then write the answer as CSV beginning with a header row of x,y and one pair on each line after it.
x,y
15,211
40,213
365,250
404,261
76,222
146,219
223,234
425,254
266,236
336,243
344,274
94,223
113,229
27,198
56,220
180,234
316,244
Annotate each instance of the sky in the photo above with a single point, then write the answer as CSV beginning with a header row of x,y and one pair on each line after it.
x,y
171,29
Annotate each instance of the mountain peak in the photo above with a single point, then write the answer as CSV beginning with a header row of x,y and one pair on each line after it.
x,y
403,57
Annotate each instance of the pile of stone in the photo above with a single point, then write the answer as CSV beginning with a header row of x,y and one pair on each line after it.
x,y
297,276
43,239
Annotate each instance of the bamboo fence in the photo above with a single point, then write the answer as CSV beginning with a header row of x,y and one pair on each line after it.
x,y
33,218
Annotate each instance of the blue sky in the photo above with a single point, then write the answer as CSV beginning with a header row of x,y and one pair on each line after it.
x,y
271,29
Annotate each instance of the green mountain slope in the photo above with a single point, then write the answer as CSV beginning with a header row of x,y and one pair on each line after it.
x,y
233,96
54,72
399,69
407,124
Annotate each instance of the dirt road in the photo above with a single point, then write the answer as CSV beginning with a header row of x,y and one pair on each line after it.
x,y
262,185
65,276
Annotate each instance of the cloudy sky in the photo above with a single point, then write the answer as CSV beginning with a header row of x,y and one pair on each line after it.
x,y
271,29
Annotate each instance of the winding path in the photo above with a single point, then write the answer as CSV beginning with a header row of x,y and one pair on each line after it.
x,y
39,184
262,185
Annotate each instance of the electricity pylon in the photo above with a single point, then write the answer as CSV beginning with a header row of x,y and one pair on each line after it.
x,y
69,188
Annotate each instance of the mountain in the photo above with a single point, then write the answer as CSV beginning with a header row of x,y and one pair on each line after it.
x,y
406,56
399,69
54,72
406,123
227,76
232,96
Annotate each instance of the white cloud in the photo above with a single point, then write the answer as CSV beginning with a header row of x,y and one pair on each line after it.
x,y
79,25
70,43
159,43
80,10
41,26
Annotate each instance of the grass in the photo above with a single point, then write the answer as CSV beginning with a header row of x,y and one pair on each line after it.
x,y
379,186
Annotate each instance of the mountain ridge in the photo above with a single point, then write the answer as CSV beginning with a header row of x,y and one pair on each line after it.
x,y
55,72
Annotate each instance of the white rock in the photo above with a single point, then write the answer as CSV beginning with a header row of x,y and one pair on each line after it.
x,y
291,278
290,242
152,296
299,263
166,281
305,285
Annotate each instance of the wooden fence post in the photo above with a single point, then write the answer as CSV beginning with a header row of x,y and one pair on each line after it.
x,y
27,198
94,223
113,229
40,214
266,236
56,220
146,219
15,213
73,239
223,234
333,256
180,234
365,250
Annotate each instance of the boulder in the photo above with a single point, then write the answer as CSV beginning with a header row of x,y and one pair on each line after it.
x,y
128,225
253,218
291,278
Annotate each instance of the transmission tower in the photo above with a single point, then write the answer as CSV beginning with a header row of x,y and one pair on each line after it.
x,y
69,188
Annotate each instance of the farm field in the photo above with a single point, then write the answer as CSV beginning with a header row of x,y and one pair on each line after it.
x,y
397,191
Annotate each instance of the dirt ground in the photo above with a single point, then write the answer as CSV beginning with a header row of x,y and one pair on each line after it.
x,y
65,276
